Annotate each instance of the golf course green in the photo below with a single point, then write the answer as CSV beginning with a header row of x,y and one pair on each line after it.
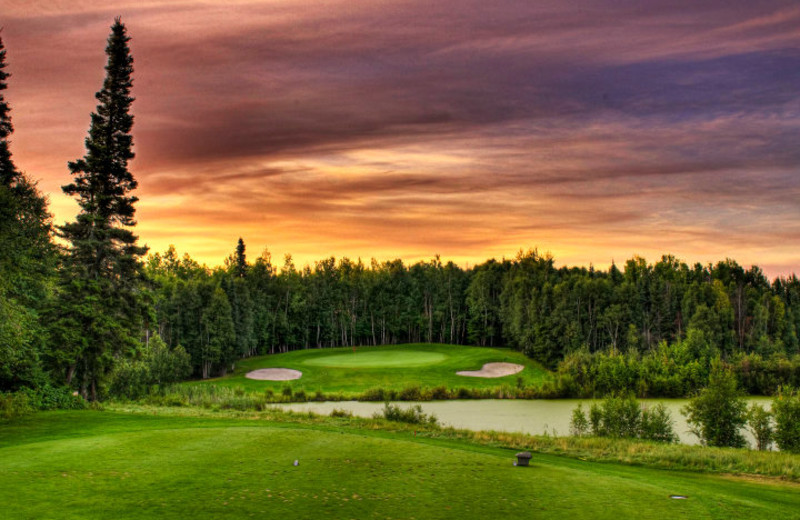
x,y
91,464
391,367
378,359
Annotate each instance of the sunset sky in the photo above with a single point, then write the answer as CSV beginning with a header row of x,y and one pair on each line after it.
x,y
595,130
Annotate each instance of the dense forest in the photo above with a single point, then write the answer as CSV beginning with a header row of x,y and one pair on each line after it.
x,y
87,312
666,314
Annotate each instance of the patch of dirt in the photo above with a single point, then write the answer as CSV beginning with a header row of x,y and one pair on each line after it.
x,y
274,374
493,370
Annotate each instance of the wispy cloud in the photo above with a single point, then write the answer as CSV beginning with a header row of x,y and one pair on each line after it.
x,y
593,129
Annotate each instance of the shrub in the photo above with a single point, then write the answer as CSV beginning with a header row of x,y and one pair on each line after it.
x,y
286,391
759,421
159,365
579,424
786,408
718,412
48,397
411,393
624,417
621,417
300,395
14,405
337,412
411,415
130,378
464,393
657,424
374,394
596,419
440,393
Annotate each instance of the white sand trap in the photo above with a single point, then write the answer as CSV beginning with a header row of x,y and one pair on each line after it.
x,y
274,374
493,370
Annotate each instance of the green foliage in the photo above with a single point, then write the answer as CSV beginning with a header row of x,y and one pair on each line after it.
x,y
624,417
759,421
786,409
657,424
100,293
410,415
718,412
338,412
219,334
13,405
27,263
157,366
578,424
46,397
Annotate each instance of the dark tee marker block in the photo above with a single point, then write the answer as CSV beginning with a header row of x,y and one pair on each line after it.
x,y
523,458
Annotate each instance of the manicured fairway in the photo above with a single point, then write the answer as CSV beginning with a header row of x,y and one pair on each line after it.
x,y
111,465
391,367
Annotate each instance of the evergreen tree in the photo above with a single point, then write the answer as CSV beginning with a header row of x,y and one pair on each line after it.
x,y
240,266
103,266
8,171
27,261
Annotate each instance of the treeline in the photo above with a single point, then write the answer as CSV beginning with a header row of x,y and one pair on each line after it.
x,y
653,328
245,309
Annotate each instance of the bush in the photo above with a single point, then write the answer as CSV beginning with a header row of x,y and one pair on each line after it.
x,y
759,421
14,405
49,397
411,393
624,417
440,393
579,424
337,412
621,417
411,415
133,378
718,413
786,408
374,394
130,378
657,424
464,393
596,419
286,391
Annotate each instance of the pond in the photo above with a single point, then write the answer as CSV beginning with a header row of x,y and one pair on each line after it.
x,y
537,416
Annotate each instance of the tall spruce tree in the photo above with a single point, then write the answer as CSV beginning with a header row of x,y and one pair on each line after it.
x,y
27,261
100,291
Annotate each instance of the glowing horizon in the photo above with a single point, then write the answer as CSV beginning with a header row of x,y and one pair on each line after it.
x,y
595,131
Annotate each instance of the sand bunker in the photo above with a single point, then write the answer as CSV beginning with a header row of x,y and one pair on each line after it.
x,y
274,374
493,370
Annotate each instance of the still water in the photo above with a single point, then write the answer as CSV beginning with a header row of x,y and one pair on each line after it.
x,y
536,416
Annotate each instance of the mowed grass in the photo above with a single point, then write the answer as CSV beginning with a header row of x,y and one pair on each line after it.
x,y
112,465
391,367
